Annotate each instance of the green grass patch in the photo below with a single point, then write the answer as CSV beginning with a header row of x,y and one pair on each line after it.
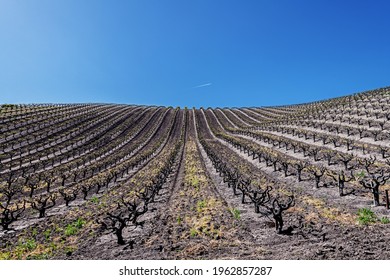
x,y
5,256
200,205
29,245
94,200
366,216
236,213
193,232
47,234
194,182
73,228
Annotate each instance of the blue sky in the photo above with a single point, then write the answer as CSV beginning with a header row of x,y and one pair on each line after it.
x,y
191,53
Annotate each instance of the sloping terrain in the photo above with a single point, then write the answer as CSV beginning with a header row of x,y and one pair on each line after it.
x,y
103,181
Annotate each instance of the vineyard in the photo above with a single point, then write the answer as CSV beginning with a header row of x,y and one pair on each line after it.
x,y
103,181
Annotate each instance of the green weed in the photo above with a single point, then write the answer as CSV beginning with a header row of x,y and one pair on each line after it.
x,y
360,175
47,234
193,232
366,216
200,205
236,213
29,245
94,199
178,219
73,228
5,255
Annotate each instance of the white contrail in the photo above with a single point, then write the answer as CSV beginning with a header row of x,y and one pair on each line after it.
x,y
203,85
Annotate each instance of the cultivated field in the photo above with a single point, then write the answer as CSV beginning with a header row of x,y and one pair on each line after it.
x,y
102,181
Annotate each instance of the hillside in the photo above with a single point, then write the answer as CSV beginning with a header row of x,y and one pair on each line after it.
x,y
106,181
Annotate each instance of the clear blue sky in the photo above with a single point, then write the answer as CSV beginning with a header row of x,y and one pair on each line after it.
x,y
191,53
